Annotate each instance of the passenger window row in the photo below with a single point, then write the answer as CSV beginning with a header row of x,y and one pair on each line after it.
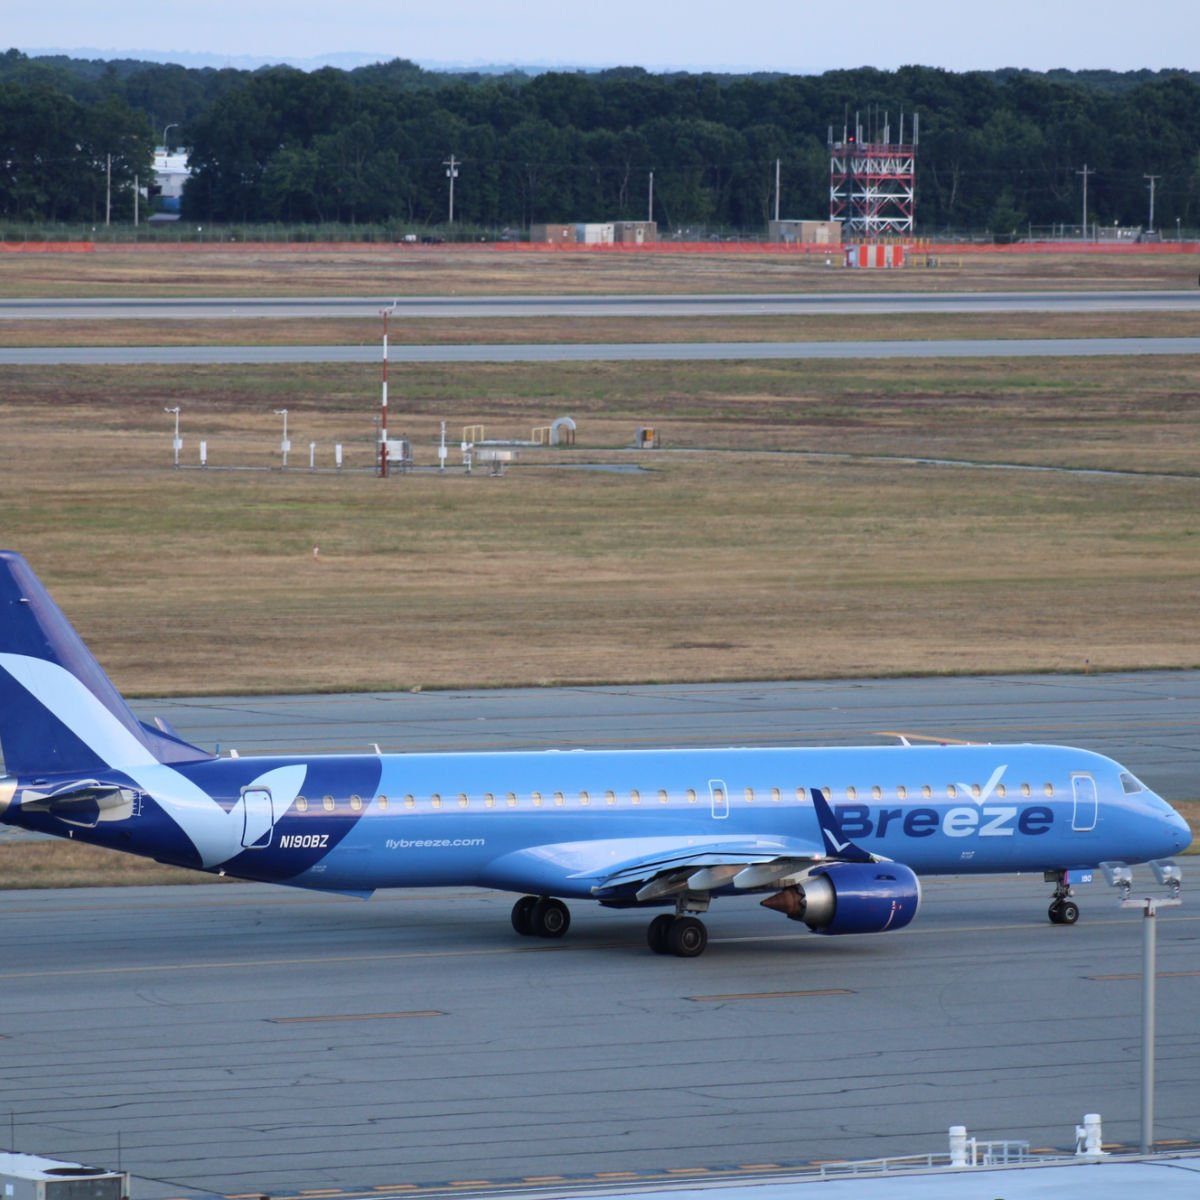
x,y
584,799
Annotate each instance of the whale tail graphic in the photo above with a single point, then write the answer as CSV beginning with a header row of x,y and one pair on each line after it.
x,y
59,712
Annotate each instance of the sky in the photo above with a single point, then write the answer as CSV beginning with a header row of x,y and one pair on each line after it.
x,y
791,36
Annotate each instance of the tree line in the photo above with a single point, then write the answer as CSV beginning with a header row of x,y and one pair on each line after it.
x,y
998,150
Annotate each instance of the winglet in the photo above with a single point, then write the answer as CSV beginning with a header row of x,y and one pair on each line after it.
x,y
837,845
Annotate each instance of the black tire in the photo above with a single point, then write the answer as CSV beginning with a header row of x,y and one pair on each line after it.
x,y
522,915
658,931
1055,913
687,937
1068,913
550,918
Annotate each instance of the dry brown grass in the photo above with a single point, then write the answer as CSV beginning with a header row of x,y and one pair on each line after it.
x,y
365,330
779,545
26,863
402,271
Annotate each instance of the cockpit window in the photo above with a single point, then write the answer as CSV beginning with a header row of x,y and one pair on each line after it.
x,y
1130,784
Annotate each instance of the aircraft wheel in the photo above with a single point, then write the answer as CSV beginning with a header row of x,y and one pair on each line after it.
x,y
1068,912
1055,912
687,937
522,915
549,918
658,931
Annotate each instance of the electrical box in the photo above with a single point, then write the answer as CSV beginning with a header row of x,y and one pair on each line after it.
x,y
28,1177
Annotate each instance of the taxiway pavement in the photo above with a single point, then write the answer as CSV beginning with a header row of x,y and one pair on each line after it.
x,y
246,1040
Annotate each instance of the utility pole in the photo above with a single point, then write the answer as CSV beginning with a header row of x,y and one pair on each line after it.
x,y
777,191
1153,179
1083,224
107,189
451,164
650,206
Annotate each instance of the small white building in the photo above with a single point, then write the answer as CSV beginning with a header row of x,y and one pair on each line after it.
x,y
171,171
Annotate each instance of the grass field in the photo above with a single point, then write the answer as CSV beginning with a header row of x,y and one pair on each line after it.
x,y
794,524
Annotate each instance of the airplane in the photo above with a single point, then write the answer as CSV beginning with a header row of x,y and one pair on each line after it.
x,y
836,838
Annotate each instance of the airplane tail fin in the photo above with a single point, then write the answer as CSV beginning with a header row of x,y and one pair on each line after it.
x,y
58,709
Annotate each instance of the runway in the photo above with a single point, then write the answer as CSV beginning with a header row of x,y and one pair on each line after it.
x,y
545,352
597,306
243,1040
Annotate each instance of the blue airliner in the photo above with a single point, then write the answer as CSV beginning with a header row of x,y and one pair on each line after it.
x,y
834,837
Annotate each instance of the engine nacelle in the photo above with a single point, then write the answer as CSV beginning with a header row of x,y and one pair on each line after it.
x,y
852,898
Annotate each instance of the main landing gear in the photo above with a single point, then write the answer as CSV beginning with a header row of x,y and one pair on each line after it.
x,y
683,936
669,933
1063,910
541,916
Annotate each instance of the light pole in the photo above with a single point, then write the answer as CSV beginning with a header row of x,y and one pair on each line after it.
x,y
1153,180
451,164
173,125
177,444
285,445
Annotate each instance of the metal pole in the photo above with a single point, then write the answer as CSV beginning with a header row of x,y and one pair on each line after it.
x,y
777,191
650,206
107,189
1153,179
451,166
1149,980
1083,223
285,445
383,403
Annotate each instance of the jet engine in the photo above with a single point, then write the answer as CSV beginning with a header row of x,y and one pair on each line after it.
x,y
849,897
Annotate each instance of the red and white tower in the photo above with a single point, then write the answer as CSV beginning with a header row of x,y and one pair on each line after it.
x,y
872,180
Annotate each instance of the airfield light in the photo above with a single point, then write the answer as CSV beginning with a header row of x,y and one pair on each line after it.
x,y
177,444
285,445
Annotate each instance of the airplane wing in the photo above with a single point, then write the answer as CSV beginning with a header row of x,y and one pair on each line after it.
x,y
746,864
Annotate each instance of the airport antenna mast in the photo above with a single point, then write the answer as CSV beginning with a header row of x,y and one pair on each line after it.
x,y
873,177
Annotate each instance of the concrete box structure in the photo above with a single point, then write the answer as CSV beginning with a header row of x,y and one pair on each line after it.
x,y
819,233
553,233
594,233
635,233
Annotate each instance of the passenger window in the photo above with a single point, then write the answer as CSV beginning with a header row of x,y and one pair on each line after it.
x,y
584,799
827,793
775,795
951,791
877,792
558,799
381,802
409,801
536,797
1048,789
462,800
1001,791
901,792
356,803
511,799
328,804
976,790
489,801
749,795
301,804
435,800
610,797
1025,789
926,791
662,795
691,795
635,797
852,793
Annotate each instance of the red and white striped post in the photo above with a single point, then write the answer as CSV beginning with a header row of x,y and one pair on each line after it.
x,y
383,404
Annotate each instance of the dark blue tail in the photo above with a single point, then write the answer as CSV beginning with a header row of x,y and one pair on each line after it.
x,y
58,710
